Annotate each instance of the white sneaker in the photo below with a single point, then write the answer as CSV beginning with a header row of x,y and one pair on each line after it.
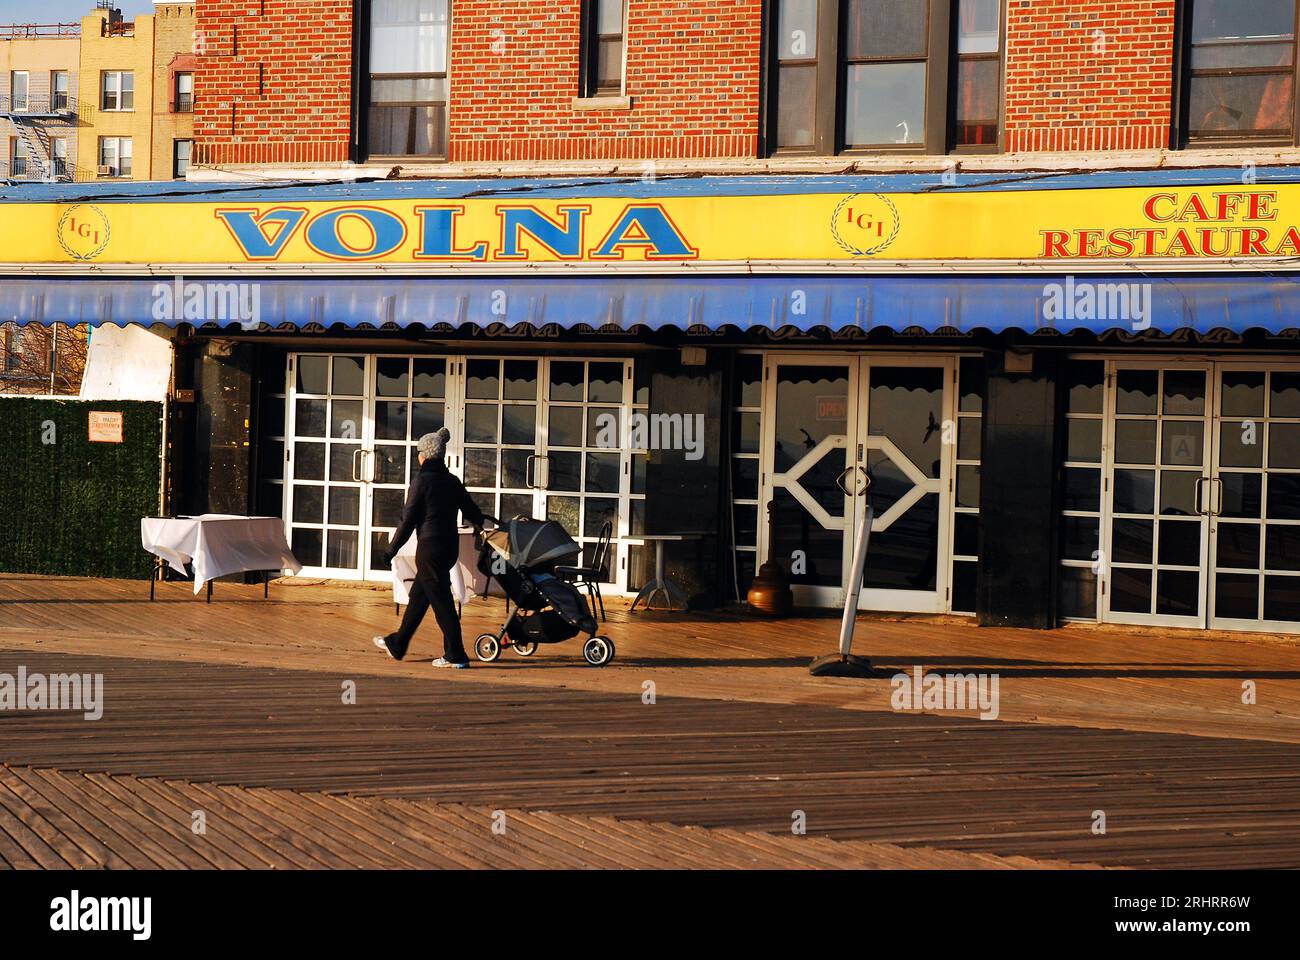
x,y
444,662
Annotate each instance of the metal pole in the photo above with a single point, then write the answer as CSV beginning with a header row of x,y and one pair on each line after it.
x,y
848,621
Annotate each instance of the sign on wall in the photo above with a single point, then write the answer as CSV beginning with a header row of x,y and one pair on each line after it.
x,y
105,426
1208,223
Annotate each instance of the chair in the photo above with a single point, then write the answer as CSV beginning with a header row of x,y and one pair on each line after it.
x,y
593,574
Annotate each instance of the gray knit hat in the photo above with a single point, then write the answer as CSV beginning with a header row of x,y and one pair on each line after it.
x,y
433,445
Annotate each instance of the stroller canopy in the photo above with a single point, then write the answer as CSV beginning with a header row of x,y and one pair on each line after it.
x,y
530,543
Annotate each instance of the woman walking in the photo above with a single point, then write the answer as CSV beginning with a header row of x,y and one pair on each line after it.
x,y
432,505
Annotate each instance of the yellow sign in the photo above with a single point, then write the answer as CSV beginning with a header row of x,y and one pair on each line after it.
x,y
1130,223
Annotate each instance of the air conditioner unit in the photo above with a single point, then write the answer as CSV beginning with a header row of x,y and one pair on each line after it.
x,y
107,170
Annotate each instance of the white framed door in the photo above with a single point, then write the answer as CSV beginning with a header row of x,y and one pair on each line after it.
x,y
1201,494
1253,498
352,423
1156,472
329,430
548,437
825,416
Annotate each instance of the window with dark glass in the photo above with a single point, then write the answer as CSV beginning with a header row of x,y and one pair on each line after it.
x,y
603,45
408,78
58,90
884,75
1239,81
184,93
977,81
181,151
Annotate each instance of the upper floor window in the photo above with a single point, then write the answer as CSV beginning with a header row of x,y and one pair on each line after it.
x,y
885,75
603,33
408,78
59,89
59,155
184,93
181,151
19,90
115,156
1239,82
118,90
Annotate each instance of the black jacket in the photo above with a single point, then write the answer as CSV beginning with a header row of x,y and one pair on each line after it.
x,y
432,503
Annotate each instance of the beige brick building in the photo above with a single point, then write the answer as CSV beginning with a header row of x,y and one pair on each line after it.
x,y
137,76
38,101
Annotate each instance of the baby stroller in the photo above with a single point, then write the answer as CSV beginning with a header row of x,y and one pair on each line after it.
x,y
522,557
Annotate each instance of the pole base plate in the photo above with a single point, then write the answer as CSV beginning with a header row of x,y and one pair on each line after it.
x,y
842,665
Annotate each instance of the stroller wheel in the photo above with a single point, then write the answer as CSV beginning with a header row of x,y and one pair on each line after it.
x,y
487,647
598,651
524,649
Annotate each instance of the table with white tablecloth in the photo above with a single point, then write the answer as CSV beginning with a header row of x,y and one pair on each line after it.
x,y
214,545
466,581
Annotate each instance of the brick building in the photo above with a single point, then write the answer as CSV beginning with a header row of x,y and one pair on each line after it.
x,y
291,83
1025,266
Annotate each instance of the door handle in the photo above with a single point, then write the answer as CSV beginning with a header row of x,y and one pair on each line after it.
x,y
356,470
866,482
1216,502
1201,508
528,471
839,481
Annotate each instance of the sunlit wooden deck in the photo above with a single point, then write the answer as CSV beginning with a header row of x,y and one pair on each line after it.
x,y
236,709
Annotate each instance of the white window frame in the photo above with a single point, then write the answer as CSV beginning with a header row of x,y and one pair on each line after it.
x,y
55,92
122,150
114,82
189,157
23,105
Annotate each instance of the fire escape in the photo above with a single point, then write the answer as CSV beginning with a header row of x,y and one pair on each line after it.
x,y
29,113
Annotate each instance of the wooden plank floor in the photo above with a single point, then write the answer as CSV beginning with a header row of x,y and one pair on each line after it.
x,y
56,820
1009,789
1174,681
245,695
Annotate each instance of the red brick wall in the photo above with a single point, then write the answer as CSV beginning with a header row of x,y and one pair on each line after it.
x,y
299,113
692,74
1088,76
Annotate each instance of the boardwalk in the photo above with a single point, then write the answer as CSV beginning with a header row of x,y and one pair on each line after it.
x,y
238,711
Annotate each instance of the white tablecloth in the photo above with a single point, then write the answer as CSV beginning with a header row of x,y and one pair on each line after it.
x,y
218,544
466,581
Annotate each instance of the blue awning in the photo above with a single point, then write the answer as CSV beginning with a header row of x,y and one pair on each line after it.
x,y
933,303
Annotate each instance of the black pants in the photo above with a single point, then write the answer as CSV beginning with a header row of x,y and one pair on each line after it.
x,y
432,587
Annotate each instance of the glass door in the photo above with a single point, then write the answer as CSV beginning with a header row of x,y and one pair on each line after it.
x,y
409,397
893,417
909,445
548,437
812,404
329,432
1253,500
1156,537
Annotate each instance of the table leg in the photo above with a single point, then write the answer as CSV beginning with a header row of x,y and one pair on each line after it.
x,y
656,585
153,579
266,584
209,591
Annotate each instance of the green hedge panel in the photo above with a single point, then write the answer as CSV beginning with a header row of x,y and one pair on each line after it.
x,y
73,507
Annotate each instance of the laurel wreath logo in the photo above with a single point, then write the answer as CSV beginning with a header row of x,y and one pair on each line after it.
x,y
853,249
63,220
